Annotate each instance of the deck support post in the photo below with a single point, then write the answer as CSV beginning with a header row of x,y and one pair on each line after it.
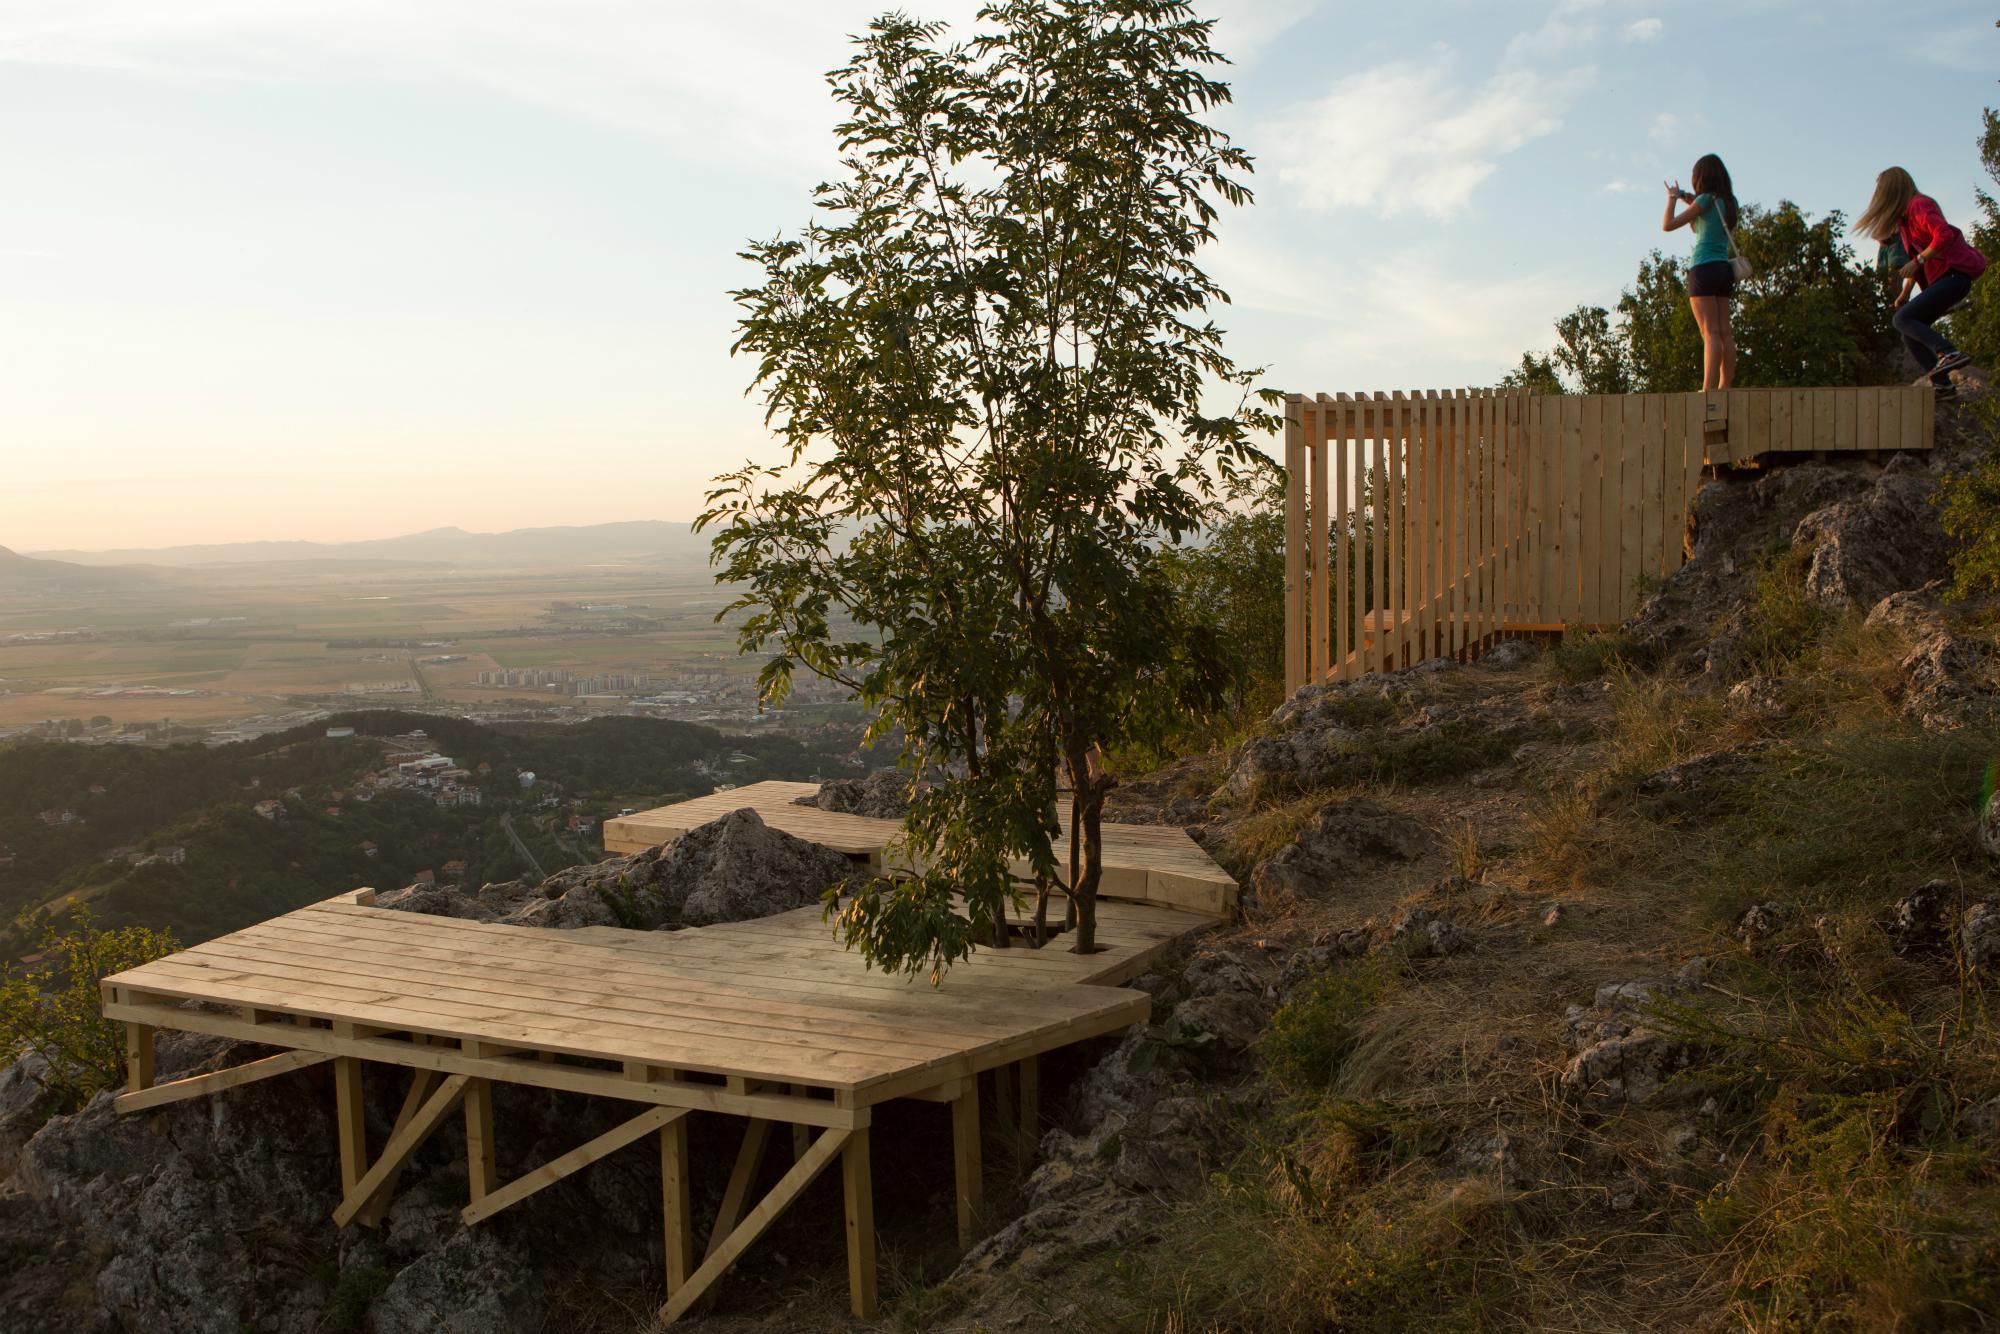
x,y
138,1057
676,1194
1003,1098
372,1192
966,1170
858,1180
1031,1105
350,1123
482,1172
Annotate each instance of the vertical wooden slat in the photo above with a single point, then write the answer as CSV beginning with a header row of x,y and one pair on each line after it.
x,y
1489,454
1399,589
1320,445
1867,409
1421,473
1454,585
1631,500
1846,415
1888,418
1295,546
1825,405
1573,549
1911,431
1542,515
1613,442
139,1064
1926,419
1781,419
1378,507
1594,456
1694,460
1343,593
1737,407
1757,422
1652,537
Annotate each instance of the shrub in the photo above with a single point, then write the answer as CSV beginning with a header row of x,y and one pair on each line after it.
x,y
54,1011
1586,655
1969,507
1314,1032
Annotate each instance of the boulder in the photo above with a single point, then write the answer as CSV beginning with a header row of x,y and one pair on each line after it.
x,y
1762,920
1421,932
1913,611
1631,1067
1946,678
1349,837
1922,919
883,795
1979,935
1510,654
1883,541
1763,698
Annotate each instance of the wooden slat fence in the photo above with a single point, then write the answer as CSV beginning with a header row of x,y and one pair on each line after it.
x,y
1431,524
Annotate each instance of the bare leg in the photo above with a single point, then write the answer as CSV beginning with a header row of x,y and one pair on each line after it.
x,y
1728,332
1711,351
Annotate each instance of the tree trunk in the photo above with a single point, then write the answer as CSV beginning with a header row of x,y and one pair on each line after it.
x,y
1085,893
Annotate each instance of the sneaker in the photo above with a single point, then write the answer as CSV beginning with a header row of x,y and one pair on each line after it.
x,y
1949,362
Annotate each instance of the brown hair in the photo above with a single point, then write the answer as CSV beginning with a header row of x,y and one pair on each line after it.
x,y
1712,178
1894,189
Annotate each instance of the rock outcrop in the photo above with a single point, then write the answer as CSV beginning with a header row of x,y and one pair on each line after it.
x,y
1348,838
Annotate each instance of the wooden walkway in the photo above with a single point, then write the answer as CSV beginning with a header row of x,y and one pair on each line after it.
x,y
1143,863
770,1021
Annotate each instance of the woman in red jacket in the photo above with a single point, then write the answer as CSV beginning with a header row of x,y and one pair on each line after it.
x,y
1941,261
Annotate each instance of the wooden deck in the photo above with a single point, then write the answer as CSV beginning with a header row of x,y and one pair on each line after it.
x,y
770,1020
1143,863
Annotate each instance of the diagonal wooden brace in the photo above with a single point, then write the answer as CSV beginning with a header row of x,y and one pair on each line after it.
x,y
399,1148
419,1092
741,1178
521,1187
194,1086
824,1150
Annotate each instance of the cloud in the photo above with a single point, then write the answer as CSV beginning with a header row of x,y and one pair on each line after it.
x,y
1620,186
1665,129
1644,30
1568,26
1406,137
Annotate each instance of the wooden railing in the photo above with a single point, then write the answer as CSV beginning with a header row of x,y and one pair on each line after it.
x,y
1432,524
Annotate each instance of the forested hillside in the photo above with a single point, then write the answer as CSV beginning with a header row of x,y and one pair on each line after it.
x,y
172,838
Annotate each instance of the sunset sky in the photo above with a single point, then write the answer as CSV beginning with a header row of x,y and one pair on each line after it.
x,y
340,269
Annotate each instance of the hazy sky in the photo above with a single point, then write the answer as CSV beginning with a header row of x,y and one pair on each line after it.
x,y
349,268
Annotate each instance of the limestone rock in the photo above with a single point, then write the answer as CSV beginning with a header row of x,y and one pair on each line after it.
x,y
1349,837
1510,654
1914,611
1628,1068
1762,698
1883,541
884,795
1989,825
1761,920
1979,935
1922,918
1945,678
1423,933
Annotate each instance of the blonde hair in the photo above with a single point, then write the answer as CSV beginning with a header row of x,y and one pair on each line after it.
x,y
1894,189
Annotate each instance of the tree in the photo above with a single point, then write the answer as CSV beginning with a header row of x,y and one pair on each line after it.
x,y
1235,579
1535,373
1975,325
1812,314
986,360
55,1012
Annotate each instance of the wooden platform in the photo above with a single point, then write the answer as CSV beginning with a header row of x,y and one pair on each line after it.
x,y
1142,863
771,1021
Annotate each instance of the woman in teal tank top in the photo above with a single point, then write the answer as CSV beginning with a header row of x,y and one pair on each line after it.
x,y
1711,279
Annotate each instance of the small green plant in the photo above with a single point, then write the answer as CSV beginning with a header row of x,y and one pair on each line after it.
x,y
1313,1033
1969,507
54,1011
1585,655
1783,627
1463,850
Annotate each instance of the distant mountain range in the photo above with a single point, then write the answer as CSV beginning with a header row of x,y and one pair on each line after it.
x,y
20,573
640,542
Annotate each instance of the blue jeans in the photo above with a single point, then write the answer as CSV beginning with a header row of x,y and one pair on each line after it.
x,y
1924,309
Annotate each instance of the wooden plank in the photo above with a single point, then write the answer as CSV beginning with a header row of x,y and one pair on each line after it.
x,y
677,1204
379,1179
1658,515
1454,534
1926,418
1736,404
1804,402
1825,408
858,1187
1693,459
1378,491
789,1188
1613,444
1421,511
1888,418
554,1170
414,1097
196,1086
1781,419
1757,416
1399,585
1295,522
1539,582
1343,590
1316,438
1572,499
1867,415
966,1168
1632,499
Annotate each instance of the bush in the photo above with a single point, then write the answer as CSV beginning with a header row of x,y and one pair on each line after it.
x,y
1312,1034
1969,506
1588,654
54,1011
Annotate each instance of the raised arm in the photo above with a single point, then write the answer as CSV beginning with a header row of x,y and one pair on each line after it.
x,y
1671,221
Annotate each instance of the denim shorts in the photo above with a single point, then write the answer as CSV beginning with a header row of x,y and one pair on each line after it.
x,y
1715,278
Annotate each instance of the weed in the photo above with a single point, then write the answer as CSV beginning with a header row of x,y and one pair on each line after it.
x,y
1313,1033
1585,655
1782,626
1462,849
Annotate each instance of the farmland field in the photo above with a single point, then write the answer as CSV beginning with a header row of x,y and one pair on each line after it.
x,y
235,643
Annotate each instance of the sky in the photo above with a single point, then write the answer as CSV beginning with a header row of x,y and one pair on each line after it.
x,y
339,269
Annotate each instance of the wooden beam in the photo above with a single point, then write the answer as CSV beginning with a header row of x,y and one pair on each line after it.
x,y
749,1157
195,1086
568,1078
410,1135
138,1057
554,1170
966,1169
1295,544
788,1189
858,1185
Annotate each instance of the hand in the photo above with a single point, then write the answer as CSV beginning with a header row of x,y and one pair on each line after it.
x,y
1911,269
1901,297
1673,188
